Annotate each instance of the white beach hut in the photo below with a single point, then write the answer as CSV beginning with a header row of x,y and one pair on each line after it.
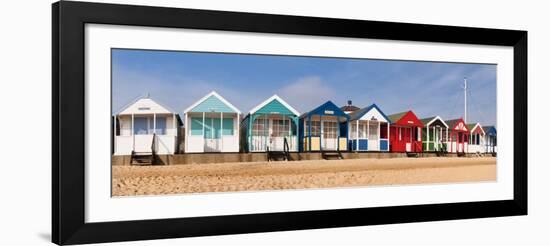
x,y
476,142
212,125
369,130
145,126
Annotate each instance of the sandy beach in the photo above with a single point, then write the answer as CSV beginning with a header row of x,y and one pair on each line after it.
x,y
254,176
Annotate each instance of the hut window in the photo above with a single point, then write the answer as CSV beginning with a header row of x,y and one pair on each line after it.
x,y
259,127
362,130
281,128
315,128
384,131
227,127
161,125
399,133
141,126
196,126
330,129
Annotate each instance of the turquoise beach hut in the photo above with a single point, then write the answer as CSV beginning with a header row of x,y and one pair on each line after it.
x,y
269,125
324,128
212,125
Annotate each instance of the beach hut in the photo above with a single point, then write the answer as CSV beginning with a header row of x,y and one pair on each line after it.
x,y
145,127
490,139
405,132
324,128
457,140
268,125
476,140
369,130
434,134
212,125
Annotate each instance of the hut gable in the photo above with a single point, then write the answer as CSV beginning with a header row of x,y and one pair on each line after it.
x,y
458,125
328,108
144,105
371,112
476,128
434,120
213,102
407,118
274,105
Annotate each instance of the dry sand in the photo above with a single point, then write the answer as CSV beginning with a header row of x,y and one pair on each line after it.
x,y
252,176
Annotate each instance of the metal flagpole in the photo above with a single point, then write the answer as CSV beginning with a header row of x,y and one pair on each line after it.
x,y
465,100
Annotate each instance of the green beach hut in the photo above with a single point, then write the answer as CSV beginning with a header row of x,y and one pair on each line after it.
x,y
434,134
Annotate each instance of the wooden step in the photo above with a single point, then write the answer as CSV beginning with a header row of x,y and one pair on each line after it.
x,y
142,158
331,154
143,153
412,154
277,155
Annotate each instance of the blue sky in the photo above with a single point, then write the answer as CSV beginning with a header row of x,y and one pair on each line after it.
x,y
178,79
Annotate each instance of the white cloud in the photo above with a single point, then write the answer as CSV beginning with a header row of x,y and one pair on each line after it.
x,y
307,93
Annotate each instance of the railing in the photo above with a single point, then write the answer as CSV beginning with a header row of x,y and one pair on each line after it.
x,y
286,149
154,148
271,155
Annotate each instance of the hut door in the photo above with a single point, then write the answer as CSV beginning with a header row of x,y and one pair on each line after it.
x,y
280,129
374,138
437,138
460,142
212,134
330,135
408,139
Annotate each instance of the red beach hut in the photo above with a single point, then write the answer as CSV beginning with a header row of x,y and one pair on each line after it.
x,y
458,136
405,132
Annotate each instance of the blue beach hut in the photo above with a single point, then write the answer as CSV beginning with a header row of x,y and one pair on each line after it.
x,y
490,139
324,128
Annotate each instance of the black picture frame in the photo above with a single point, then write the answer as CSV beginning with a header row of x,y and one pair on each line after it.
x,y
68,122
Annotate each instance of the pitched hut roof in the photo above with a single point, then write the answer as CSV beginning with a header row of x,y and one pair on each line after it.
x,y
490,130
212,102
145,105
452,124
395,117
274,104
359,113
474,126
431,120
327,108
407,118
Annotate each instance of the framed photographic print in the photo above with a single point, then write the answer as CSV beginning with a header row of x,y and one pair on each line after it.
x,y
175,122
